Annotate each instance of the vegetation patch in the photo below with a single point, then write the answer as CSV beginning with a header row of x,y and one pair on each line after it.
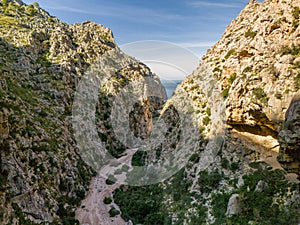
x,y
296,17
209,181
297,82
8,21
260,207
107,200
250,33
229,53
260,94
146,204
139,158
293,50
206,120
232,78
225,93
113,212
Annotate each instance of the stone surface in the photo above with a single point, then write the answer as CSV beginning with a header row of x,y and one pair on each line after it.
x,y
234,207
242,96
289,138
43,177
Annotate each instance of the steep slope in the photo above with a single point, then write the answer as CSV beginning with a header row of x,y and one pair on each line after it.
x,y
245,98
43,177
257,63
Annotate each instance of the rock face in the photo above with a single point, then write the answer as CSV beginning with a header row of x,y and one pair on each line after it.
x,y
289,138
255,64
244,103
43,177
233,207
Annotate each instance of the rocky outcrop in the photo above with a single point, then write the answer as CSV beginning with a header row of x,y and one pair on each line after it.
x,y
254,68
240,98
255,64
43,177
289,138
234,205
243,100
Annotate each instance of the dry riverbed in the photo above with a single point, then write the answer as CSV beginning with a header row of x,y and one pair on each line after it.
x,y
93,210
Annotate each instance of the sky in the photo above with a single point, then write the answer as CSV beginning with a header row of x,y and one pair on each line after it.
x,y
194,25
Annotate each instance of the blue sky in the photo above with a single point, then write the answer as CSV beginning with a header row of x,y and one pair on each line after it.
x,y
192,24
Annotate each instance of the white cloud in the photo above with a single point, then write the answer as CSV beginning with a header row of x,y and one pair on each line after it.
x,y
213,4
166,59
125,12
196,44
166,71
69,9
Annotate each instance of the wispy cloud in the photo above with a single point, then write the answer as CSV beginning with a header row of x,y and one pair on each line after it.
x,y
124,12
196,44
70,9
213,4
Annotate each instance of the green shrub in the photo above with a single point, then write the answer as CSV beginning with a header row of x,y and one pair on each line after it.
x,y
19,213
110,180
260,207
70,221
36,5
278,95
260,94
232,78
234,166
209,181
217,69
107,200
247,69
296,13
219,203
31,10
297,82
206,120
4,3
250,33
293,50
139,158
208,111
145,205
225,93
229,53
125,168
195,158
80,193
8,21
225,163
139,203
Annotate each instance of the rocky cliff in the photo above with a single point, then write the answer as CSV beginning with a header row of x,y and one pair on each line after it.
x,y
43,177
245,102
256,68
257,64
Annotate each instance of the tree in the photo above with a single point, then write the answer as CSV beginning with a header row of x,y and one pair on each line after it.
x,y
36,5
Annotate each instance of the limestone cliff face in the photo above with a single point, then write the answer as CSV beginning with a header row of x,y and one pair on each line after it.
x,y
43,177
256,65
249,82
289,138
245,103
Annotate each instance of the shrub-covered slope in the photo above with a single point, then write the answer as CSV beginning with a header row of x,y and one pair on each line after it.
x,y
246,91
43,177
